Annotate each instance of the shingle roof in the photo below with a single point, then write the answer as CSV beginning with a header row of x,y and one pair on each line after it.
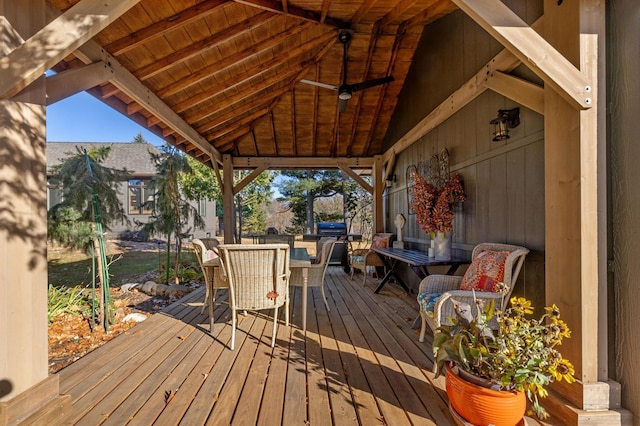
x,y
134,157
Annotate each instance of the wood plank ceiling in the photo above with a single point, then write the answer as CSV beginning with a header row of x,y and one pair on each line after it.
x,y
232,70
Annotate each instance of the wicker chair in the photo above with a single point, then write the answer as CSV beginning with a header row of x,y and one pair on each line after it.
x,y
258,278
438,290
361,258
316,272
210,269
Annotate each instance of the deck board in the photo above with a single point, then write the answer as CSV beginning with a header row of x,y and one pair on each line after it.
x,y
359,363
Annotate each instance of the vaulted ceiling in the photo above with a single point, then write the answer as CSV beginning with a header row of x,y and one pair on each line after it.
x,y
229,75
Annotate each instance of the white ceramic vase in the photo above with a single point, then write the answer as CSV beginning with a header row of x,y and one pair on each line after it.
x,y
443,246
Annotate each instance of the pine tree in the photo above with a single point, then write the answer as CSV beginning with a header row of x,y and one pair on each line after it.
x,y
72,222
171,209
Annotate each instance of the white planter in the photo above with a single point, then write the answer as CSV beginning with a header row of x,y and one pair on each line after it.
x,y
443,246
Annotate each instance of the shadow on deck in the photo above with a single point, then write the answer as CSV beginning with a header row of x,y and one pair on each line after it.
x,y
360,363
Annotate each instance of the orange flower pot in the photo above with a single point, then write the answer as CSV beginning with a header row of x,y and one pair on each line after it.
x,y
481,406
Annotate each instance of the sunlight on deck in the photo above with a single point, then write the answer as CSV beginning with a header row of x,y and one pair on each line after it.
x,y
360,363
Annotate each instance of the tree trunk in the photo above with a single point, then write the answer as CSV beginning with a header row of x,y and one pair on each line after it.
x,y
100,289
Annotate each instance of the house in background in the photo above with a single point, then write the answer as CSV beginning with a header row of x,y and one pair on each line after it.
x,y
135,158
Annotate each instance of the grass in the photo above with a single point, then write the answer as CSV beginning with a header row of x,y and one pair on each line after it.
x,y
71,269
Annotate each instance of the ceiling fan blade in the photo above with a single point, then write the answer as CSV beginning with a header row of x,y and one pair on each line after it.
x,y
316,83
342,105
371,83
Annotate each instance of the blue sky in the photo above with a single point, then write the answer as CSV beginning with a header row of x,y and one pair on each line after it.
x,y
83,118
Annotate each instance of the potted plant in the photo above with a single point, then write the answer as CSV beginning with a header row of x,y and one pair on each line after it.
x,y
519,358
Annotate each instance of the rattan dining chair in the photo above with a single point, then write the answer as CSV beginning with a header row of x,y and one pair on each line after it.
x,y
317,271
207,253
258,278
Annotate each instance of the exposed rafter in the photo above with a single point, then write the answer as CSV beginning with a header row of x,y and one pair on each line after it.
x,y
201,46
160,28
75,80
277,7
56,40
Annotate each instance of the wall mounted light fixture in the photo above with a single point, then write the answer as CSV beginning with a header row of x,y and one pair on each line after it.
x,y
391,179
507,119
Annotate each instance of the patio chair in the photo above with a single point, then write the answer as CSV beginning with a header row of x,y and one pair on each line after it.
x,y
277,239
207,254
258,278
491,263
317,271
361,258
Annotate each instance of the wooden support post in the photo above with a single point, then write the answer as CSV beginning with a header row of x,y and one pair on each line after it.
x,y
26,391
575,264
378,189
228,199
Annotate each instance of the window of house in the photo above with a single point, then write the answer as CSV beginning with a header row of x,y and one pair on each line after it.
x,y
140,197
202,207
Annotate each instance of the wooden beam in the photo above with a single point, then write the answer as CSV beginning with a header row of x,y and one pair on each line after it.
x,y
160,28
292,163
56,40
92,52
229,218
531,48
297,12
471,89
248,179
200,46
522,91
363,183
362,10
75,80
256,72
439,8
232,60
295,72
398,10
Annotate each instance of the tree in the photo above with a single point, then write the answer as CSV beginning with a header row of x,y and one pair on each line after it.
x,y
251,202
302,188
171,209
89,193
139,139
358,204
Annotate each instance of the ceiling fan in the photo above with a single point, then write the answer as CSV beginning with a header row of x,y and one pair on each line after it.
x,y
345,90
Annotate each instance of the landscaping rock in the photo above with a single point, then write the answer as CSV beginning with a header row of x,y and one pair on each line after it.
x,y
136,317
130,286
149,287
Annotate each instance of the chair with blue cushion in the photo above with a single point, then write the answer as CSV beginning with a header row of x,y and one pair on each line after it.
x,y
361,258
491,263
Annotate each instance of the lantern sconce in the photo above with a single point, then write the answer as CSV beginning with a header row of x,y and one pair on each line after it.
x,y
391,179
507,119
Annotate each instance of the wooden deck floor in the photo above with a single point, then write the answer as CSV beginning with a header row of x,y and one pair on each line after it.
x,y
360,363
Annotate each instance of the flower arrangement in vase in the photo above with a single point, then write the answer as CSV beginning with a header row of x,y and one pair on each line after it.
x,y
521,356
434,205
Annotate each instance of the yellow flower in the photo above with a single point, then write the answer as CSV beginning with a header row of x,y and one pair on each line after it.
x,y
553,311
521,305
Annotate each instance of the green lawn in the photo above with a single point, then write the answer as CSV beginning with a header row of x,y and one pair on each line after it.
x,y
72,269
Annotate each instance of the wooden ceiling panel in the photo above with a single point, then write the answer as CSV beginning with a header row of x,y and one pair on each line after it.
x,y
232,69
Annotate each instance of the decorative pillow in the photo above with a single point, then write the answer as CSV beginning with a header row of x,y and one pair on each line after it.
x,y
357,259
486,270
210,254
427,302
380,241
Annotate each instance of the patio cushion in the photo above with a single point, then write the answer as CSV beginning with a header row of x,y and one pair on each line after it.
x,y
427,302
210,254
357,259
380,241
486,270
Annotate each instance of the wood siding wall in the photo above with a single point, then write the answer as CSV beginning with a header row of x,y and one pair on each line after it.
x,y
624,86
504,181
